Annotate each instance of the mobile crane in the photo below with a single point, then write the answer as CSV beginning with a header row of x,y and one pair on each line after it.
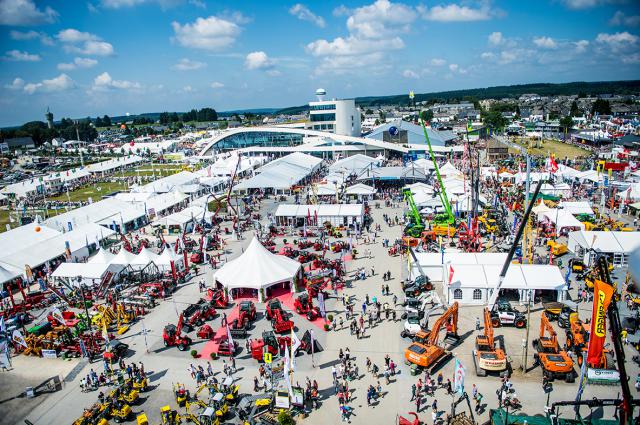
x,y
427,353
415,227
446,219
486,357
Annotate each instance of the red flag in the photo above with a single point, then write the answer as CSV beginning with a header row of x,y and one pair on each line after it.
x,y
602,293
553,166
315,214
450,273
308,216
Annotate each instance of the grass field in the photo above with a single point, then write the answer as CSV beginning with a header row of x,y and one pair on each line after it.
x,y
95,192
559,149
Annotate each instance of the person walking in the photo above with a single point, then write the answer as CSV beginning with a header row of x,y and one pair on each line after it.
x,y
478,402
413,392
418,400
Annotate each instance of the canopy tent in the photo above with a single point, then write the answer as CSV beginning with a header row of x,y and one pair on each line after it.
x,y
102,257
578,207
631,194
473,283
559,189
257,269
123,258
336,214
360,189
393,173
589,175
8,272
353,164
88,274
168,255
326,190
540,209
562,219
619,245
144,258
449,170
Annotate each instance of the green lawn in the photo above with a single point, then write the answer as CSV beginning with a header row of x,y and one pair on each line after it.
x,y
559,149
94,192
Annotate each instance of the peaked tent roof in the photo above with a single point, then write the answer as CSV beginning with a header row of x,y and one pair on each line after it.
x,y
102,257
144,257
360,189
256,268
123,257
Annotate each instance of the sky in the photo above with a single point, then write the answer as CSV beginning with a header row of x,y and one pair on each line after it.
x,y
86,58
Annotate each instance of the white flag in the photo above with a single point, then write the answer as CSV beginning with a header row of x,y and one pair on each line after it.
x,y
287,370
230,339
458,377
18,338
295,342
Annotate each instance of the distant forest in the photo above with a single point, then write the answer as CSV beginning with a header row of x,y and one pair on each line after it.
x,y
583,89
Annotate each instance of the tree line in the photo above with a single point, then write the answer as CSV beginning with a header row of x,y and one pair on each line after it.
x,y
201,115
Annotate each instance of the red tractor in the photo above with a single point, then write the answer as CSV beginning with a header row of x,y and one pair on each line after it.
x,y
172,336
197,257
197,314
269,343
247,312
279,318
304,305
218,297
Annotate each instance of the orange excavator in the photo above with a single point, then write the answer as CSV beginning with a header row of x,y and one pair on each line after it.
x,y
555,362
486,357
577,336
427,353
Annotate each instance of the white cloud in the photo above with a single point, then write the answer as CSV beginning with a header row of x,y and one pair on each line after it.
x,y
380,19
16,84
187,89
104,82
19,56
185,64
77,63
496,38
258,60
212,33
488,56
84,43
25,13
545,42
456,13
620,18
407,73
302,12
453,67
164,4
60,83
217,85
274,73
617,42
584,4
373,30
71,35
437,62
581,45
31,35
508,56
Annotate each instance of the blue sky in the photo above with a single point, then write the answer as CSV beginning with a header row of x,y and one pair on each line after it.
x,y
117,56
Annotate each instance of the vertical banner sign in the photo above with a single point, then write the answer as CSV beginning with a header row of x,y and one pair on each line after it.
x,y
602,293
321,304
458,377
230,339
583,378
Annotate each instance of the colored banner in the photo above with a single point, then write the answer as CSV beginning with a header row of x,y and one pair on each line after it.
x,y
602,293
458,377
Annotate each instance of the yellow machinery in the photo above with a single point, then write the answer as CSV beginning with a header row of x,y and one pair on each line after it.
x,y
105,317
229,389
557,249
141,419
219,404
181,394
123,319
125,394
139,384
169,416
95,415
120,412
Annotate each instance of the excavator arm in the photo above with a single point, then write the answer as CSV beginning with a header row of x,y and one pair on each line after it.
x,y
488,328
408,196
451,313
545,326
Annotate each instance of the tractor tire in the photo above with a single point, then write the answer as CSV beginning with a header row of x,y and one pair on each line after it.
x,y
569,340
403,334
182,347
495,322
580,359
570,378
298,310
117,420
166,344
520,323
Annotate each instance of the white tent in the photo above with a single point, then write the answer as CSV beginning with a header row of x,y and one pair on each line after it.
x,y
360,189
89,273
326,190
540,209
144,258
123,257
257,269
562,219
102,257
166,257
449,170
8,273
577,207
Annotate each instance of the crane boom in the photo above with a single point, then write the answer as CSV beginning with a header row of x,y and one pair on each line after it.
x,y
488,328
452,312
443,193
512,251
545,326
408,196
